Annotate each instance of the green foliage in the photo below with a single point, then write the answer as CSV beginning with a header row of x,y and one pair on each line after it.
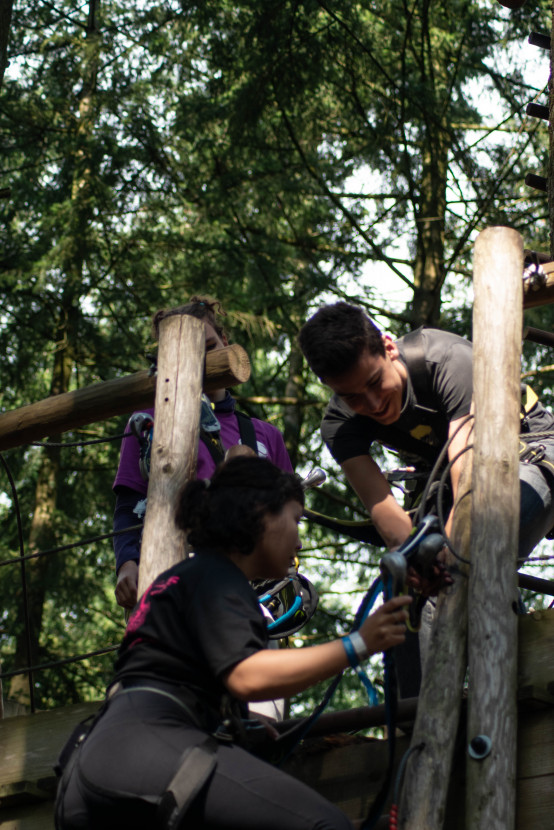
x,y
273,155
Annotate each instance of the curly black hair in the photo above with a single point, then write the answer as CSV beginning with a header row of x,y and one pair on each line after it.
x,y
227,511
200,306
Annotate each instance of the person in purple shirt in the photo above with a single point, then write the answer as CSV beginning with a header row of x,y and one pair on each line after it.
x,y
130,486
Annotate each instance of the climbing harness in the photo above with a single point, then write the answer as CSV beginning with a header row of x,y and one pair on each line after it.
x,y
141,425
292,601
195,767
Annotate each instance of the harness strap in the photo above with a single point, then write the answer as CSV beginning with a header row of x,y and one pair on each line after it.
x,y
247,434
196,766
413,355
246,430
213,444
530,453
118,689
414,358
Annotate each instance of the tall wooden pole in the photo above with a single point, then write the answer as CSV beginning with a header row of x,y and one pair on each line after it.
x,y
423,802
174,442
492,628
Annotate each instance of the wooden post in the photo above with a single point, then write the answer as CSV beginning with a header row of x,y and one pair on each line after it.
x,y
423,802
492,628
174,442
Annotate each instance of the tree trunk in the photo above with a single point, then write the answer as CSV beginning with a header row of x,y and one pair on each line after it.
x,y
293,413
429,272
65,336
6,7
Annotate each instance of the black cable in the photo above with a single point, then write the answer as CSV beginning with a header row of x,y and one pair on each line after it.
x,y
80,443
433,475
71,545
440,512
24,558
55,663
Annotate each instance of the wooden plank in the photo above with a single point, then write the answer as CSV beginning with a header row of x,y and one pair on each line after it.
x,y
59,413
349,775
536,650
537,295
536,745
39,816
30,746
535,803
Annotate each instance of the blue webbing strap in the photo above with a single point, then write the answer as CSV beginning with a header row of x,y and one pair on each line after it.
x,y
292,738
390,719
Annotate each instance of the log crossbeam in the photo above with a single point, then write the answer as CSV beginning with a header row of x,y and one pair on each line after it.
x,y
60,413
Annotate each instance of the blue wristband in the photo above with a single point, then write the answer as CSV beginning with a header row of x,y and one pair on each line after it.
x,y
350,651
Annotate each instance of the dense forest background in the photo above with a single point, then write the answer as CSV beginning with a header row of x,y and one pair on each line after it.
x,y
275,155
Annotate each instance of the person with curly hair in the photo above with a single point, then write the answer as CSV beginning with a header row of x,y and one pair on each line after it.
x,y
170,747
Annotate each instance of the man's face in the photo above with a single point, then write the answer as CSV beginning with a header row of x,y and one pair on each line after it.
x,y
374,386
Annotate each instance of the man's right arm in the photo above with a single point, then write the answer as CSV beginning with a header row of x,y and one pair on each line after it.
x,y
371,486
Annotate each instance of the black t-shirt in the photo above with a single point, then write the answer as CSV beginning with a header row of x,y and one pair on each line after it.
x,y
433,398
196,621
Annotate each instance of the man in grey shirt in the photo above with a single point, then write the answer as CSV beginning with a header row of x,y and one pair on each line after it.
x,y
412,395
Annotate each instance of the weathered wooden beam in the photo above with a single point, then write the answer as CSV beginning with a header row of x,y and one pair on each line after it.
x,y
424,794
492,621
174,442
535,293
353,720
59,413
544,338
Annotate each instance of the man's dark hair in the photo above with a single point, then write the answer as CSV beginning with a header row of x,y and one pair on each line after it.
x,y
333,339
227,512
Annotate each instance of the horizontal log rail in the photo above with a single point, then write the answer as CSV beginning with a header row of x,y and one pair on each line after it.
x,y
60,413
352,720
544,338
540,292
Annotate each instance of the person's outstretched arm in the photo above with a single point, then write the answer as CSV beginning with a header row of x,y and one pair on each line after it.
x,y
282,673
